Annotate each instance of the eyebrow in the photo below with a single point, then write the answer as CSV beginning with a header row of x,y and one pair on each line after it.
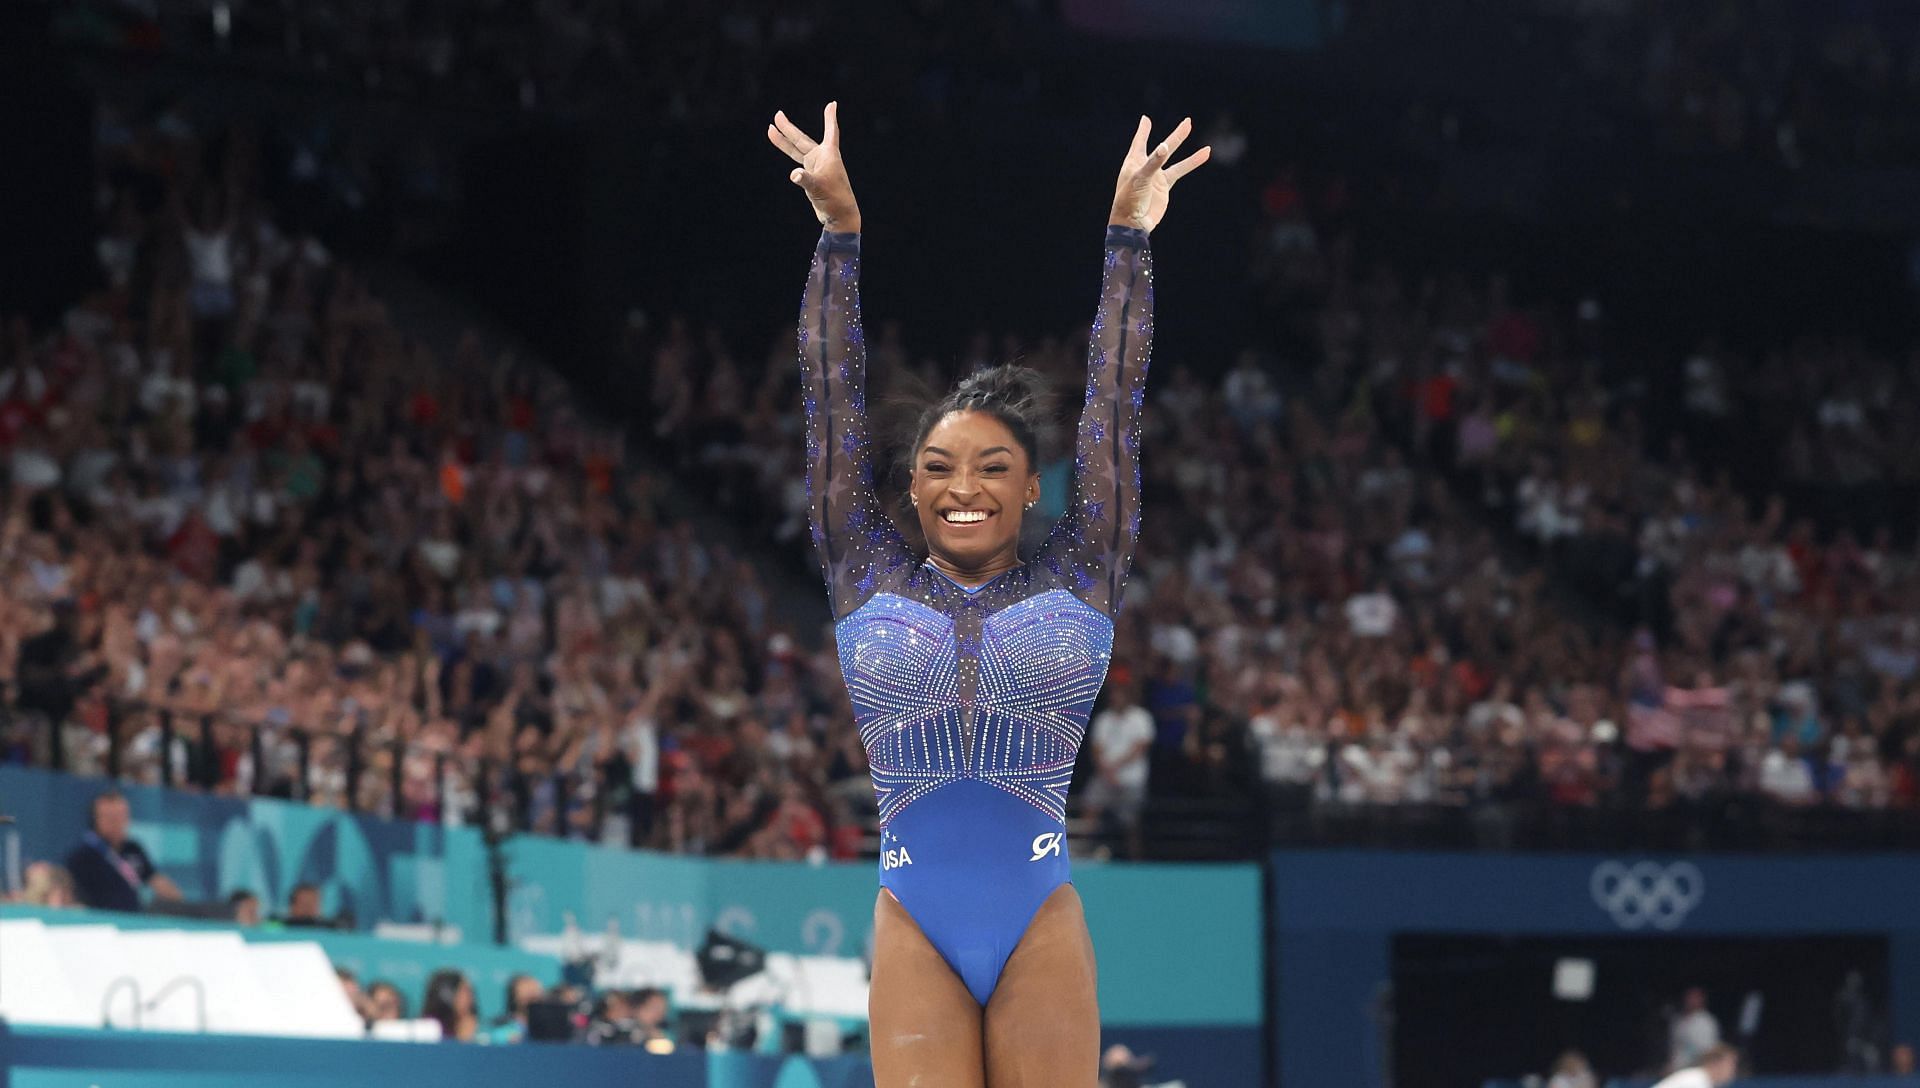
x,y
990,451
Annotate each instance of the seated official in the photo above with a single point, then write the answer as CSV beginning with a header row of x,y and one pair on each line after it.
x,y
303,909
109,869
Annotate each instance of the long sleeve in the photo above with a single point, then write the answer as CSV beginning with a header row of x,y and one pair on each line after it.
x,y
855,539
1092,543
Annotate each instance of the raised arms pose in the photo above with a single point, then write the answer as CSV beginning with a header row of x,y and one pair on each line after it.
x,y
972,673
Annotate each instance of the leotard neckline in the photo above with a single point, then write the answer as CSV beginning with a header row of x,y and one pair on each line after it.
x,y
928,562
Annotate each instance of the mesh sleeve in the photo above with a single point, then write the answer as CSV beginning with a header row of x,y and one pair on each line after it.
x,y
854,538
1092,543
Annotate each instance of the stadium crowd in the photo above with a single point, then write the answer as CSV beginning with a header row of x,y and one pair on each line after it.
x,y
258,538
1778,84
1442,563
1793,83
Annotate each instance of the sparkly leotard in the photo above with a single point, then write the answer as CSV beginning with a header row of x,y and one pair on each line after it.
x,y
972,701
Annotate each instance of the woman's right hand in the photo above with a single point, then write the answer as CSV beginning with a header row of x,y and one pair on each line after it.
x,y
820,174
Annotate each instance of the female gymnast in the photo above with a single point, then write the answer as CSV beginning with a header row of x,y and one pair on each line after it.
x,y
972,673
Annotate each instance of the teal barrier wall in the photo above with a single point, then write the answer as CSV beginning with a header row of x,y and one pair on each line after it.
x,y
1179,945
52,1058
372,868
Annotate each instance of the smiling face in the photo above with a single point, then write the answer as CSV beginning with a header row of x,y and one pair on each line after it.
x,y
971,481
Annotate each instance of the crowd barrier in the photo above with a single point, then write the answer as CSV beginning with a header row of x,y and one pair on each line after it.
x,y
57,1058
1180,946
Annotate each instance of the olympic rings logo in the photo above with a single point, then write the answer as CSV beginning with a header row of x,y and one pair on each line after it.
x,y
1648,894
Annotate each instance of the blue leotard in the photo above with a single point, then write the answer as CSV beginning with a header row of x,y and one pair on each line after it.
x,y
972,701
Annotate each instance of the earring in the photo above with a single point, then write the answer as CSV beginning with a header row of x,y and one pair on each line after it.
x,y
1031,503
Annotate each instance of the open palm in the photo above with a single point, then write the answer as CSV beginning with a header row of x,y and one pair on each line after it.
x,y
821,174
1140,196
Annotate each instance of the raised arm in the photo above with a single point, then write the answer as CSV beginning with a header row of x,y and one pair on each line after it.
x,y
854,537
1093,542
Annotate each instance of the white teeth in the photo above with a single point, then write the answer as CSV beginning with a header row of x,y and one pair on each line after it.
x,y
965,517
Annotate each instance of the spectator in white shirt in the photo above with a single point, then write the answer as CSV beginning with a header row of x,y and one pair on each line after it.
x,y
1694,1033
1785,776
1719,1065
1373,614
1122,733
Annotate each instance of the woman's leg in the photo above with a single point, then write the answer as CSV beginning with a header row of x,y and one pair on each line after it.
x,y
925,1026
1043,1021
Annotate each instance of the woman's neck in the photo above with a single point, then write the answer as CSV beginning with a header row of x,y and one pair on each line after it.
x,y
974,575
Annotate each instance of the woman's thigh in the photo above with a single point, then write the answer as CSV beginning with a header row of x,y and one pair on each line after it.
x,y
1043,1021
924,1024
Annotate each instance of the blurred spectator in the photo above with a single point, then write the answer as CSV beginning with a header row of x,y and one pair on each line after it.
x,y
1120,1067
1570,1070
1900,1060
449,1000
350,985
245,907
511,1026
650,1014
1121,735
53,668
1718,1065
385,1002
111,870
1693,1033
621,1018
45,884
631,1018
303,907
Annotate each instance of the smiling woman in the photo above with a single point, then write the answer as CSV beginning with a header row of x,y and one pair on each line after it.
x,y
971,673
975,470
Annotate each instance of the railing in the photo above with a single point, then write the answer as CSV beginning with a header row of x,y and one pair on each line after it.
x,y
340,768
1239,825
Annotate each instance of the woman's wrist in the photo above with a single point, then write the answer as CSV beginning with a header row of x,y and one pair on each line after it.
x,y
843,223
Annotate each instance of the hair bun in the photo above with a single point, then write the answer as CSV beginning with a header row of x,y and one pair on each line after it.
x,y
1020,388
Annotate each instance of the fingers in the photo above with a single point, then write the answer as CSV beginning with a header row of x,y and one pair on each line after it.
x,y
1180,132
785,145
1188,165
1140,134
791,131
1157,158
830,133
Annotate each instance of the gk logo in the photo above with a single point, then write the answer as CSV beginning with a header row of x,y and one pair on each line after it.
x,y
1048,843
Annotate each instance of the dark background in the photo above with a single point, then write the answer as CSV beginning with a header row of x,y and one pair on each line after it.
x,y
1465,1008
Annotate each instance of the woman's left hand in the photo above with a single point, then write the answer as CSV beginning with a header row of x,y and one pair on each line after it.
x,y
1140,197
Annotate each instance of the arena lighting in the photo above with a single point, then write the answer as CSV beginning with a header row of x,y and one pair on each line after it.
x,y
1573,979
726,960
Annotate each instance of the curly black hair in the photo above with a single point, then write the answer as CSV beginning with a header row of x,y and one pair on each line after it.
x,y
1013,394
